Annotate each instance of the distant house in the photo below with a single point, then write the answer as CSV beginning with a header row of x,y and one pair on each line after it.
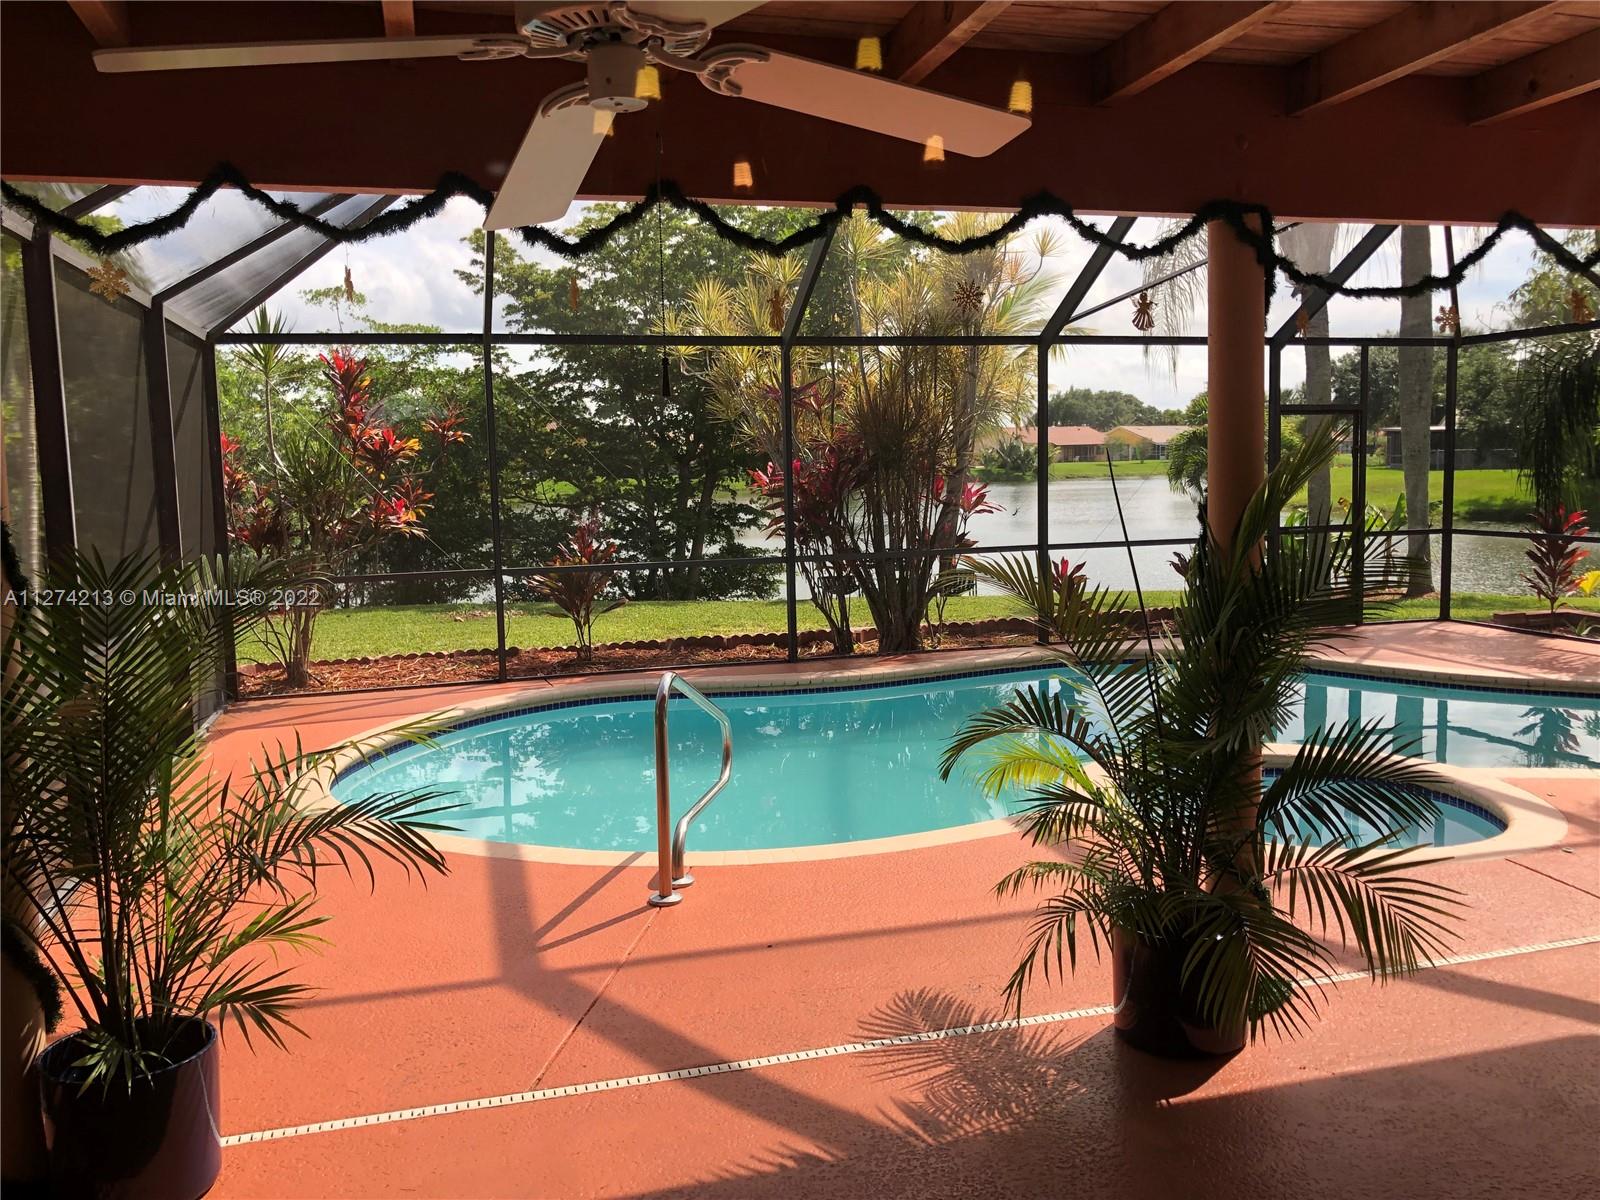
x,y
1394,448
1068,443
1143,441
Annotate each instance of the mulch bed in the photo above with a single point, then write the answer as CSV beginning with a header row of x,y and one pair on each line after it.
x,y
462,666
1563,620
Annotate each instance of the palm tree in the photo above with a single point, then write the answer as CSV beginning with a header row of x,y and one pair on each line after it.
x,y
1312,244
268,360
1187,458
1144,783
898,425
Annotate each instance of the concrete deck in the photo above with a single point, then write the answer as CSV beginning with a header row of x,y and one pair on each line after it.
x,y
528,981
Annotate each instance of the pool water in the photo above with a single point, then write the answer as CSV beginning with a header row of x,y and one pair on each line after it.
x,y
843,765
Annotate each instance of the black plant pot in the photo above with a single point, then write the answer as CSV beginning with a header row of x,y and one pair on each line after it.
x,y
1153,1009
159,1140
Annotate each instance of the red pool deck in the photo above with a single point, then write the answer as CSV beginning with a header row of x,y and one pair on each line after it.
x,y
529,982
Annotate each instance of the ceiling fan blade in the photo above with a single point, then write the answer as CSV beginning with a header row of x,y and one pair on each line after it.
x,y
867,101
550,165
272,54
712,12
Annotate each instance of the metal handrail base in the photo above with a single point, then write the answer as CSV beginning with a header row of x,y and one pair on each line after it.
x,y
670,875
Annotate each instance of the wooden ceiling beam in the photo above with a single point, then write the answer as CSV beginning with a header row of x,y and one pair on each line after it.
x,y
1412,39
1174,37
399,19
106,21
930,33
1558,72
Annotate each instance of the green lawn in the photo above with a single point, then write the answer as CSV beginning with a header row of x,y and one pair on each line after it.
x,y
1097,470
1077,470
1481,495
371,632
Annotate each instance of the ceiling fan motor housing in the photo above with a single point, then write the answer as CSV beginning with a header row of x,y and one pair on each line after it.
x,y
614,77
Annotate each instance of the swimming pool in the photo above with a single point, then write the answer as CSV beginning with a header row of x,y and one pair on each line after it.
x,y
843,764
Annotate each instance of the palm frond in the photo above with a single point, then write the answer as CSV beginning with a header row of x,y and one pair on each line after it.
x,y
1146,776
151,887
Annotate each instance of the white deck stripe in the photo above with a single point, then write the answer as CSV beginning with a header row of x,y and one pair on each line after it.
x,y
774,1060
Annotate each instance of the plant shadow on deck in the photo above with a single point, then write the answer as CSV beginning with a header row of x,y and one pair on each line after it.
x,y
1054,1111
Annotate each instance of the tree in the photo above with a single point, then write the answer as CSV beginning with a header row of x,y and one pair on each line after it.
x,y
269,361
1187,462
1486,397
1312,243
886,434
1383,385
1558,381
623,429
1104,410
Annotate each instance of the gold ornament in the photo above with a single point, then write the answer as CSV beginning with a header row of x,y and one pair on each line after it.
x,y
743,177
1448,320
572,293
349,285
1021,99
968,296
1144,313
1582,310
933,149
1302,321
110,280
869,54
775,310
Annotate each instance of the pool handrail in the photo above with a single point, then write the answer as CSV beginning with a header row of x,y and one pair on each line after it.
x,y
670,874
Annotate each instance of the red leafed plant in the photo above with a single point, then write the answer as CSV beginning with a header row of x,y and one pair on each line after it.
x,y
954,579
446,428
1070,579
826,475
342,481
254,518
580,593
1554,555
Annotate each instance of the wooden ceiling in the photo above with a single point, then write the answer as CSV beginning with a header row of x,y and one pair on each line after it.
x,y
1282,35
1333,49
1383,110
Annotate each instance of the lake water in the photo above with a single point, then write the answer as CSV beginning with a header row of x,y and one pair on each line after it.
x,y
1084,510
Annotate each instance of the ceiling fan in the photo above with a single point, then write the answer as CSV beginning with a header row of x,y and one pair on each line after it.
x,y
615,39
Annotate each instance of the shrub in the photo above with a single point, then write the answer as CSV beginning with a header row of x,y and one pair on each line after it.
x,y
1554,555
580,593
1011,457
342,481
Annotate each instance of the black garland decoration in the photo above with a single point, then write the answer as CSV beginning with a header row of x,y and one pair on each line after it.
x,y
1236,214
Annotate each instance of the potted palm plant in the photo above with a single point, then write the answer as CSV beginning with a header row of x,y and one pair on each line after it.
x,y
155,893
1207,883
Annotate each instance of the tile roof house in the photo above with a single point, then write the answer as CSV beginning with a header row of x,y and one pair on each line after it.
x,y
1145,441
1068,443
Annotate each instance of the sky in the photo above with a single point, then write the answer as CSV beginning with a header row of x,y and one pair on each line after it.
x,y
410,278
